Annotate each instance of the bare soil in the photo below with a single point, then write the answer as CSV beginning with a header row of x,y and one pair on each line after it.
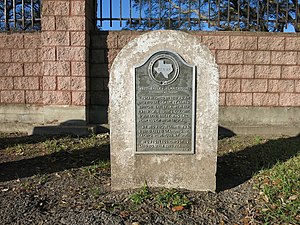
x,y
66,180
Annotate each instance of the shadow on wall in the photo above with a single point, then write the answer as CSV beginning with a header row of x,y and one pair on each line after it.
x,y
73,127
235,168
98,77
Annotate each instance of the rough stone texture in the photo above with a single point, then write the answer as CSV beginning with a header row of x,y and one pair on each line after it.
x,y
281,86
271,43
267,71
297,85
230,57
216,42
291,72
230,85
289,99
265,99
257,57
284,58
241,71
243,42
292,44
254,85
194,171
239,99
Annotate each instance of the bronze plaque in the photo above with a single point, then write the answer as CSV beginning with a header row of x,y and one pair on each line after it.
x,y
164,105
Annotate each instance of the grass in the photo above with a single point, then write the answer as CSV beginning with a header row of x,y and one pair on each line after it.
x,y
169,198
172,198
278,183
141,196
280,192
95,169
29,146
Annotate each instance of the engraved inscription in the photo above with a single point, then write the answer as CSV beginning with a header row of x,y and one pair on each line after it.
x,y
164,109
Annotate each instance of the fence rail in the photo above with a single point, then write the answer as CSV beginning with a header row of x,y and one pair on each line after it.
x,y
248,15
20,15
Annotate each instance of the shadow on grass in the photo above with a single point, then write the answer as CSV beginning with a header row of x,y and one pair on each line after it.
x,y
233,169
237,167
11,141
54,162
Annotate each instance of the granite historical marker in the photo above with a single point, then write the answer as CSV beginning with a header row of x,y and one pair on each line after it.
x,y
164,105
163,113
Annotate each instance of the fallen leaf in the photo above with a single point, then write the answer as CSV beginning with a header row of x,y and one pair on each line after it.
x,y
293,197
177,208
124,214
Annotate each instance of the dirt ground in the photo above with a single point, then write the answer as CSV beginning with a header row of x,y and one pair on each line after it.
x,y
66,180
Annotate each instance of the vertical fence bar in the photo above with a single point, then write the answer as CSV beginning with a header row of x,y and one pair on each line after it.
x,y
23,14
140,19
228,13
149,19
296,14
239,8
287,14
5,15
199,11
170,15
277,10
209,8
130,13
120,13
219,13
189,14
14,13
179,14
268,13
248,14
101,13
159,17
257,22
32,13
110,13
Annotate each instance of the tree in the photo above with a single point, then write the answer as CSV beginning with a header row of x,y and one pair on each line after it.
x,y
246,15
20,15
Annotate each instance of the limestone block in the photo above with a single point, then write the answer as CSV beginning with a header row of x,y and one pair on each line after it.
x,y
193,171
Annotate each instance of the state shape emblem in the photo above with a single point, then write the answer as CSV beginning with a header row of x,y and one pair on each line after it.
x,y
163,68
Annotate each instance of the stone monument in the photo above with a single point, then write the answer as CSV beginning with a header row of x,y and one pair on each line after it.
x,y
163,113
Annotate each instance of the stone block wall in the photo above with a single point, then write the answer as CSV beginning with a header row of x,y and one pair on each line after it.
x,y
20,68
256,69
44,75
61,73
259,75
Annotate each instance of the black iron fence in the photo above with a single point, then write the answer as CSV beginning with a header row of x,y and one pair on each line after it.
x,y
20,15
244,15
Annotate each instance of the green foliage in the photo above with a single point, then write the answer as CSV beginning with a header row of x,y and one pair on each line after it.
x,y
167,198
171,198
141,196
280,192
55,145
96,191
95,169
